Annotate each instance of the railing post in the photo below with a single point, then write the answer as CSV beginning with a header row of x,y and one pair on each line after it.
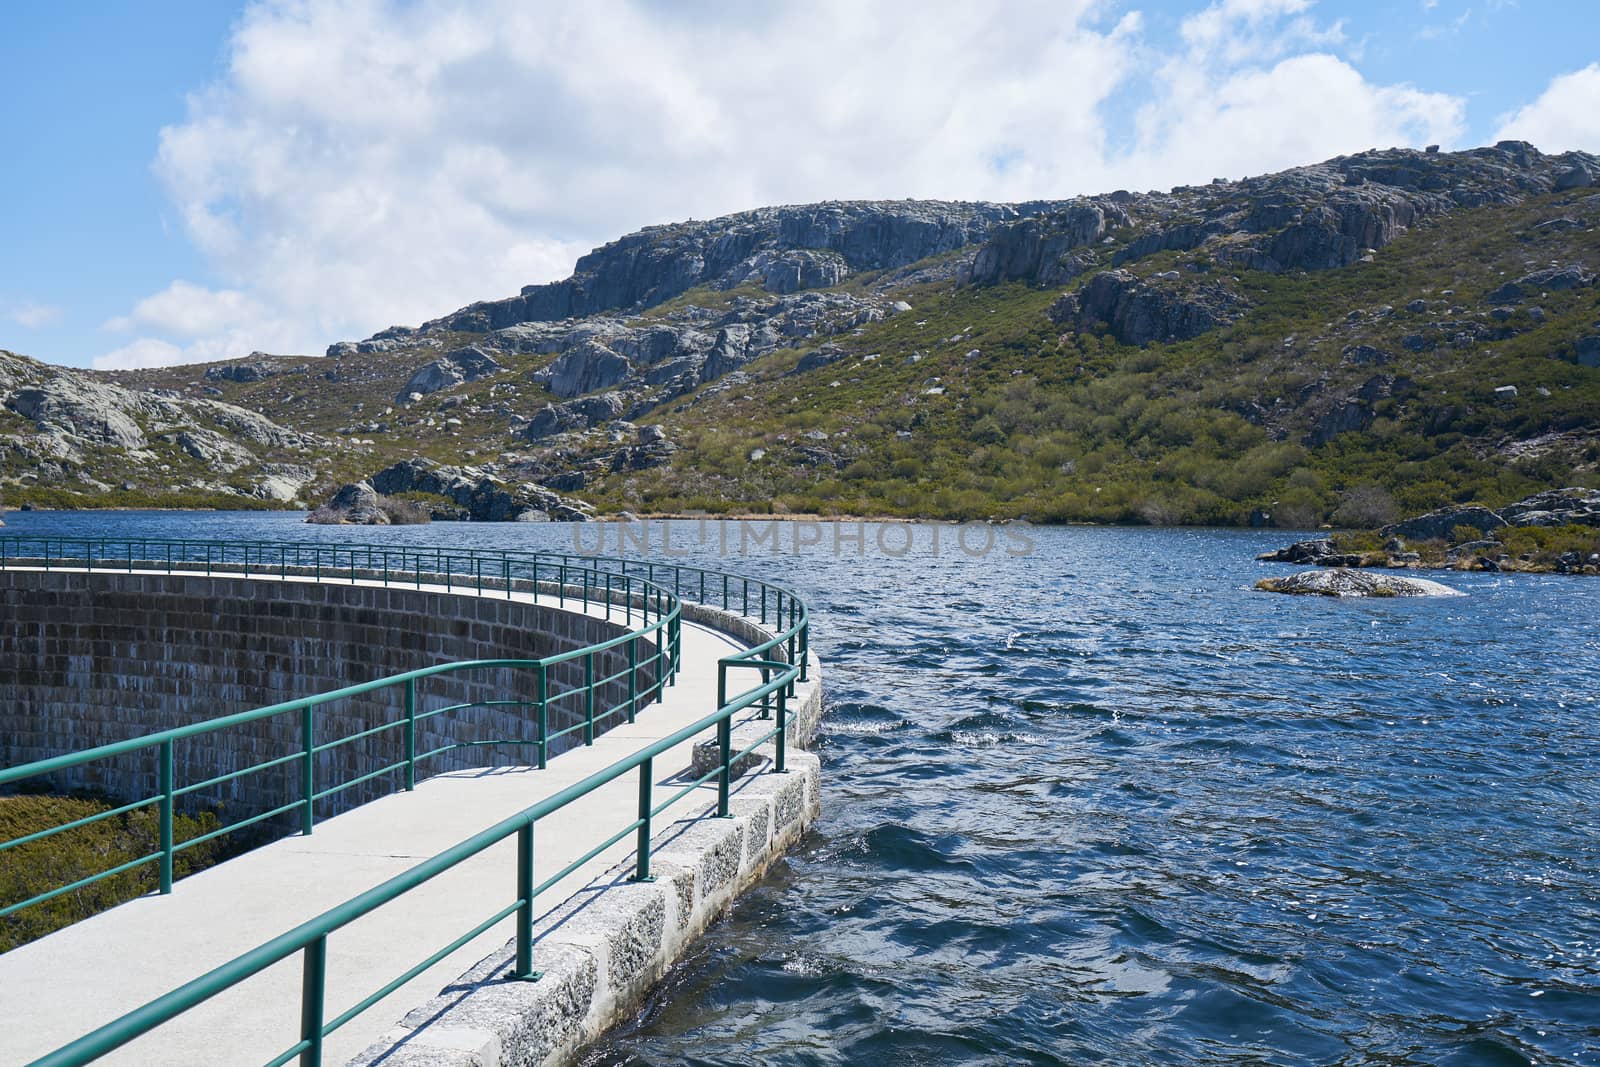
x,y
633,678
783,732
641,871
588,699
166,816
308,768
313,987
804,651
766,698
725,776
544,715
524,971
411,733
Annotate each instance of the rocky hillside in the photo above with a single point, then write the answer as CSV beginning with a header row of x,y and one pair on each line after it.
x,y
1377,334
69,437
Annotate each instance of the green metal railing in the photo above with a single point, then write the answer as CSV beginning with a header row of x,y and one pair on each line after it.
x,y
645,677
780,660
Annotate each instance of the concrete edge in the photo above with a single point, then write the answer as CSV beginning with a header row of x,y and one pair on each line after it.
x,y
602,950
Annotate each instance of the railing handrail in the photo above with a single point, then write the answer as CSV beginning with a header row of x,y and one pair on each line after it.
x,y
777,685
134,744
198,990
795,635
566,558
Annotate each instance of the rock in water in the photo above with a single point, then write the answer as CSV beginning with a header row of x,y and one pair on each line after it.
x,y
1342,583
355,504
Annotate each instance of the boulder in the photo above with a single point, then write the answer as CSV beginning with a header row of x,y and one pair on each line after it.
x,y
483,498
1556,507
574,415
1586,351
1438,525
1317,553
586,368
790,272
1577,177
1139,313
1348,583
1551,279
821,357
1362,355
1344,417
355,504
1048,249
86,410
241,373
450,370
211,448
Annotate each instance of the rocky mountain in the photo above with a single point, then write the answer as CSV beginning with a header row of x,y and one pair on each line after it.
x,y
1408,327
779,250
64,428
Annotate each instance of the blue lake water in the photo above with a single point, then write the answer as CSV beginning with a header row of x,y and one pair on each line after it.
x,y
1104,803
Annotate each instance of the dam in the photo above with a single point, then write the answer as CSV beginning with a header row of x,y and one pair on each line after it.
x,y
492,795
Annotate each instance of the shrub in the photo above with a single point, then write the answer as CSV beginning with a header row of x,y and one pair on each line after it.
x,y
66,857
1366,506
405,512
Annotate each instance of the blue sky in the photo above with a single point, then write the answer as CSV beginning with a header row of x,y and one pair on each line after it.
x,y
193,180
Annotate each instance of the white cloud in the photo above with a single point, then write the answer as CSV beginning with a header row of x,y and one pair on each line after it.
x,y
1565,116
370,163
145,352
32,315
189,310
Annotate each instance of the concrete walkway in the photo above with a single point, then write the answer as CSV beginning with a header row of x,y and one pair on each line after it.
x,y
58,988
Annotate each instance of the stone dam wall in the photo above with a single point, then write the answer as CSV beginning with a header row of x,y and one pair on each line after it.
x,y
91,658
87,659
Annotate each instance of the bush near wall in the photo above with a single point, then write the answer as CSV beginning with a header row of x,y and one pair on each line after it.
x,y
64,858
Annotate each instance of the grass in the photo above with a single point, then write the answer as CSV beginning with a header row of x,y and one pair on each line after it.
x,y
975,405
71,855
1079,427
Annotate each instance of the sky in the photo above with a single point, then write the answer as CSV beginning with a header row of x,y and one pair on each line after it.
x,y
192,180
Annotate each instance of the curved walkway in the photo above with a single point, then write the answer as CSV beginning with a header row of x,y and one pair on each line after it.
x,y
58,988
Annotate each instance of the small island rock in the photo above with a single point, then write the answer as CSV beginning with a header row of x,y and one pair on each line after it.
x,y
1347,583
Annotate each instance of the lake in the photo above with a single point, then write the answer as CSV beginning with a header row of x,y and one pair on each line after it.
x,y
1091,798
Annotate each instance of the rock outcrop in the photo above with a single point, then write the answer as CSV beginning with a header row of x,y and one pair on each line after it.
x,y
1438,525
1474,536
1138,312
484,499
1550,279
780,249
1348,583
452,369
608,367
1319,552
1320,217
1049,249
355,504
74,413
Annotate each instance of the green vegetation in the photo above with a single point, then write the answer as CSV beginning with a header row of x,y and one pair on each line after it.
x,y
1063,427
56,497
1547,544
1348,397
64,858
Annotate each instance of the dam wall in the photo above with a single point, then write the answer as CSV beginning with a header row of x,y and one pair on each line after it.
x,y
87,659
